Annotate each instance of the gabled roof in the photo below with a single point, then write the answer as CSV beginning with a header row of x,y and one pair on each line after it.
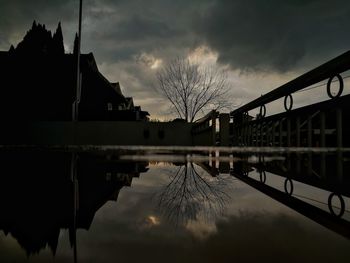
x,y
117,88
88,62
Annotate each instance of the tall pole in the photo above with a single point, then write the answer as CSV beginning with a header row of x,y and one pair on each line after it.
x,y
78,88
74,178
74,157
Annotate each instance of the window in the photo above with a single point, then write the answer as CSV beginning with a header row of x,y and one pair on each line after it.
x,y
109,106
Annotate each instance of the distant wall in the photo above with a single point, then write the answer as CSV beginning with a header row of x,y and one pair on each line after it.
x,y
97,133
204,137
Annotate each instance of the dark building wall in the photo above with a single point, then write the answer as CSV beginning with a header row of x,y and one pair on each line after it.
x,y
38,81
36,87
43,87
96,93
96,133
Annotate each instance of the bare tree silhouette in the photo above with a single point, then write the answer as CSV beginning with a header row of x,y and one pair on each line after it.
x,y
192,89
191,193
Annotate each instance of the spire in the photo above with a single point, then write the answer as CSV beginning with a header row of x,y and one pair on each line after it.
x,y
75,48
59,29
57,41
12,49
34,24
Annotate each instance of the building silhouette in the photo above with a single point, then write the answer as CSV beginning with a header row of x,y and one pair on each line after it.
x,y
39,83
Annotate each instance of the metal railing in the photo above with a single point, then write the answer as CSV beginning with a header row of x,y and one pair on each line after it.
x,y
204,130
319,124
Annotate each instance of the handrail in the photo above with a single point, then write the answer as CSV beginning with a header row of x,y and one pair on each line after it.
x,y
320,73
207,117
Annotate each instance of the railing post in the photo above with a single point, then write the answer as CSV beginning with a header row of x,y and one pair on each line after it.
x,y
273,133
261,133
298,131
224,122
280,133
339,124
237,129
254,135
309,143
268,133
297,128
247,134
309,131
288,131
244,133
323,142
322,129
213,124
250,135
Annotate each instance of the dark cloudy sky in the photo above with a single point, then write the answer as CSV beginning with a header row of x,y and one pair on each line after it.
x,y
263,43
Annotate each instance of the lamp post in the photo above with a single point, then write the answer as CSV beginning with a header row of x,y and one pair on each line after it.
x,y
75,116
78,87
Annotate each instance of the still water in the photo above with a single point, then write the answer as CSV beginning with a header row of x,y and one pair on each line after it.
x,y
108,204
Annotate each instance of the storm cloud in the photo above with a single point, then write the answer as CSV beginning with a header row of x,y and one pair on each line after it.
x,y
276,39
248,35
275,35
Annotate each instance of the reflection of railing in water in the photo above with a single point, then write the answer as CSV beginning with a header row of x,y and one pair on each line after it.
x,y
294,167
319,170
316,214
320,124
309,169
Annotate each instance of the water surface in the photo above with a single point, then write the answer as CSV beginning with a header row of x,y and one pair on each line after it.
x,y
110,204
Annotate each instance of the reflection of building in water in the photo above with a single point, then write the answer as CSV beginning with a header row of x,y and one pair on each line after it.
x,y
36,194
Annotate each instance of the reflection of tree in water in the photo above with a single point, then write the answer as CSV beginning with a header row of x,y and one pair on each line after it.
x,y
192,194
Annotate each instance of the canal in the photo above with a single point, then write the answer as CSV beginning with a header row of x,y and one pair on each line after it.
x,y
115,204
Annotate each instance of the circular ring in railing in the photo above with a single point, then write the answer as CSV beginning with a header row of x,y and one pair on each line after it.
x,y
262,176
341,86
290,191
342,204
262,111
290,106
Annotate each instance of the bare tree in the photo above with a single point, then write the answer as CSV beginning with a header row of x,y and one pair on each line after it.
x,y
191,88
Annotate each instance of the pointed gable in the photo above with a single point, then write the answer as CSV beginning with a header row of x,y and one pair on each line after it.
x,y
57,46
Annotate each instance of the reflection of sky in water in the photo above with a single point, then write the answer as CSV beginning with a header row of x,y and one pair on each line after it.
x,y
251,227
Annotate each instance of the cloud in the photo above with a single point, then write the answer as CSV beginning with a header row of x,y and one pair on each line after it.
x,y
275,35
249,35
266,40
16,18
245,237
137,79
